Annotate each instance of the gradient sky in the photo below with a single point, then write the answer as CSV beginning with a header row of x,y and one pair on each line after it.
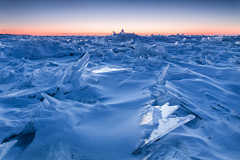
x,y
101,17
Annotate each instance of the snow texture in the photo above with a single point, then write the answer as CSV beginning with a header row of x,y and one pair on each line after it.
x,y
121,96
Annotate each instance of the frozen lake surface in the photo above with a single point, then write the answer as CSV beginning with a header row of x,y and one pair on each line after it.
x,y
122,96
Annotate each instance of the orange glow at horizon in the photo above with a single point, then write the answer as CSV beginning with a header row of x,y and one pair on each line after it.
x,y
186,32
101,29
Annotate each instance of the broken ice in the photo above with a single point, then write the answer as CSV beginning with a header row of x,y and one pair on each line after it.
x,y
167,125
167,110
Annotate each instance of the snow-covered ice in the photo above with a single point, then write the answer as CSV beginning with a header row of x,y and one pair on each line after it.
x,y
121,96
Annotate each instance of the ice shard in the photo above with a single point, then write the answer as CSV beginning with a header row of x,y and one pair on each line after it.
x,y
161,78
147,118
54,103
152,151
3,56
158,112
167,110
74,71
78,68
64,75
81,63
167,125
51,100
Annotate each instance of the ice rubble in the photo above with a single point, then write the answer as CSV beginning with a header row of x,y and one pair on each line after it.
x,y
164,127
60,79
165,124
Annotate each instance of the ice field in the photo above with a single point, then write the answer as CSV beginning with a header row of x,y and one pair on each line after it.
x,y
119,97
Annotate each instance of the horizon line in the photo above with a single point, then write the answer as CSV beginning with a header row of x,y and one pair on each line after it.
x,y
107,34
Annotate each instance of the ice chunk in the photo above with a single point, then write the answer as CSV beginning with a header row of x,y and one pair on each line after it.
x,y
167,125
50,99
4,147
147,118
55,78
23,82
160,49
74,71
24,92
29,81
161,78
78,70
181,156
122,32
3,56
81,63
107,69
167,110
153,150
20,83
158,112
64,75
51,103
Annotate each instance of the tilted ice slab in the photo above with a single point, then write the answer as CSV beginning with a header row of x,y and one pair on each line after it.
x,y
167,125
160,79
107,69
74,71
165,111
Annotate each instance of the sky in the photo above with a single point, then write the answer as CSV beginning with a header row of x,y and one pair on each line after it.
x,y
102,17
